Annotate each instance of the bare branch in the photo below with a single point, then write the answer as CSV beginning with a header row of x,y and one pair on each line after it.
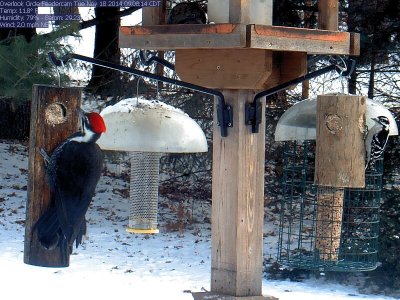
x,y
96,21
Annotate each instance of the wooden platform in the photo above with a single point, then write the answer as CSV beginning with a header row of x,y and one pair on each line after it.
x,y
223,36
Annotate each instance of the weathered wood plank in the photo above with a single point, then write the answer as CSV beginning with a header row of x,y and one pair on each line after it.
x,y
298,39
168,37
239,11
154,15
238,201
328,12
340,153
355,44
53,119
220,36
225,69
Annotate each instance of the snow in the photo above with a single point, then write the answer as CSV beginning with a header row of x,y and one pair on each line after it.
x,y
131,104
114,263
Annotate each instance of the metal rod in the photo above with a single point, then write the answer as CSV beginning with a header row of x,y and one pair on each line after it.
x,y
255,123
298,80
147,60
222,122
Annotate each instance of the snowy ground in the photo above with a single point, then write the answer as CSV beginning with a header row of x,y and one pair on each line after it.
x,y
113,263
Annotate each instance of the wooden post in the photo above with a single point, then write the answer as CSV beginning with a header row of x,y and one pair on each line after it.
x,y
328,14
154,15
339,163
238,202
53,119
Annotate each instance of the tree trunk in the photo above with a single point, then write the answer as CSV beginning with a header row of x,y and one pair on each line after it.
x,y
106,47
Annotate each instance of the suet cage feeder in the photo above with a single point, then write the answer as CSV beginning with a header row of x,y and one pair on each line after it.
x,y
321,227
146,129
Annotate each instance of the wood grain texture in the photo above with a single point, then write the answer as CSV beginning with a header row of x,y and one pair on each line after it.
x,y
328,12
222,36
154,15
312,41
50,125
340,151
238,201
170,37
239,11
225,69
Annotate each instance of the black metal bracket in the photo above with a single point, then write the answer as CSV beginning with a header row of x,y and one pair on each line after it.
x,y
148,58
224,112
254,110
253,115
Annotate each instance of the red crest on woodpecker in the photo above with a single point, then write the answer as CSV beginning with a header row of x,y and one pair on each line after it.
x,y
96,122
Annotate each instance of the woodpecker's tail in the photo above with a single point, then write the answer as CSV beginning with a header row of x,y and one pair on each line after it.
x,y
48,229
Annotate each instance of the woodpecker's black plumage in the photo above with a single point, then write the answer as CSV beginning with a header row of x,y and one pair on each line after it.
x,y
376,140
72,172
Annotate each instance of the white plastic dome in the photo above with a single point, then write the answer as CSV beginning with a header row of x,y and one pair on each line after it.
x,y
299,121
150,126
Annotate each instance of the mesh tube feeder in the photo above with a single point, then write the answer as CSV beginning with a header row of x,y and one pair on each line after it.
x,y
324,225
146,129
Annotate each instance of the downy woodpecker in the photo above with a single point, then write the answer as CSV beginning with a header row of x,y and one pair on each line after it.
x,y
376,140
72,172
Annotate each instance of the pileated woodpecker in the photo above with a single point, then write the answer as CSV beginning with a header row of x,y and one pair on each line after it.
x,y
72,170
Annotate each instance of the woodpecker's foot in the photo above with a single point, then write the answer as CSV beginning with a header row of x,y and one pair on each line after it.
x,y
45,156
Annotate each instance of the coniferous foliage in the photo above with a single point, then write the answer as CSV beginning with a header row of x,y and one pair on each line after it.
x,y
24,63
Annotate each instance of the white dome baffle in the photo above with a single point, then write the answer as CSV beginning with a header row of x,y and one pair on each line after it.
x,y
148,128
298,123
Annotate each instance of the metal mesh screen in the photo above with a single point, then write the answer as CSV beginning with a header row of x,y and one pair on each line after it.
x,y
144,191
327,228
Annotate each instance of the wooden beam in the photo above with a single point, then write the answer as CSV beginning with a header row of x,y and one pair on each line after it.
x,y
53,119
154,15
312,41
328,12
238,202
239,11
223,36
169,37
223,68
340,140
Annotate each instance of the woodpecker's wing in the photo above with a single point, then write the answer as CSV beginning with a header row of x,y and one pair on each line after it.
x,y
379,140
79,167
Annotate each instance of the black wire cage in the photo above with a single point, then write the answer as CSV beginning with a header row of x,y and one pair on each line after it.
x,y
326,228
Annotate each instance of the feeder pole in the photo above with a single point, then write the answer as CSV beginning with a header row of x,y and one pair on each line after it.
x,y
238,202
53,118
328,14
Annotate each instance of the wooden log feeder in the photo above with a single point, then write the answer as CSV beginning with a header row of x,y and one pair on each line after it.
x,y
339,164
53,118
239,56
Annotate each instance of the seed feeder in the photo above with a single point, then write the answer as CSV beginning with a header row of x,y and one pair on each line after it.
x,y
147,128
328,225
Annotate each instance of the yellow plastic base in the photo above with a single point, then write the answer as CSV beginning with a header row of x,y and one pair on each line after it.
x,y
142,231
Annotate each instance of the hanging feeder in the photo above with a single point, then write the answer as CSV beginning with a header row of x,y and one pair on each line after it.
x,y
322,227
148,128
